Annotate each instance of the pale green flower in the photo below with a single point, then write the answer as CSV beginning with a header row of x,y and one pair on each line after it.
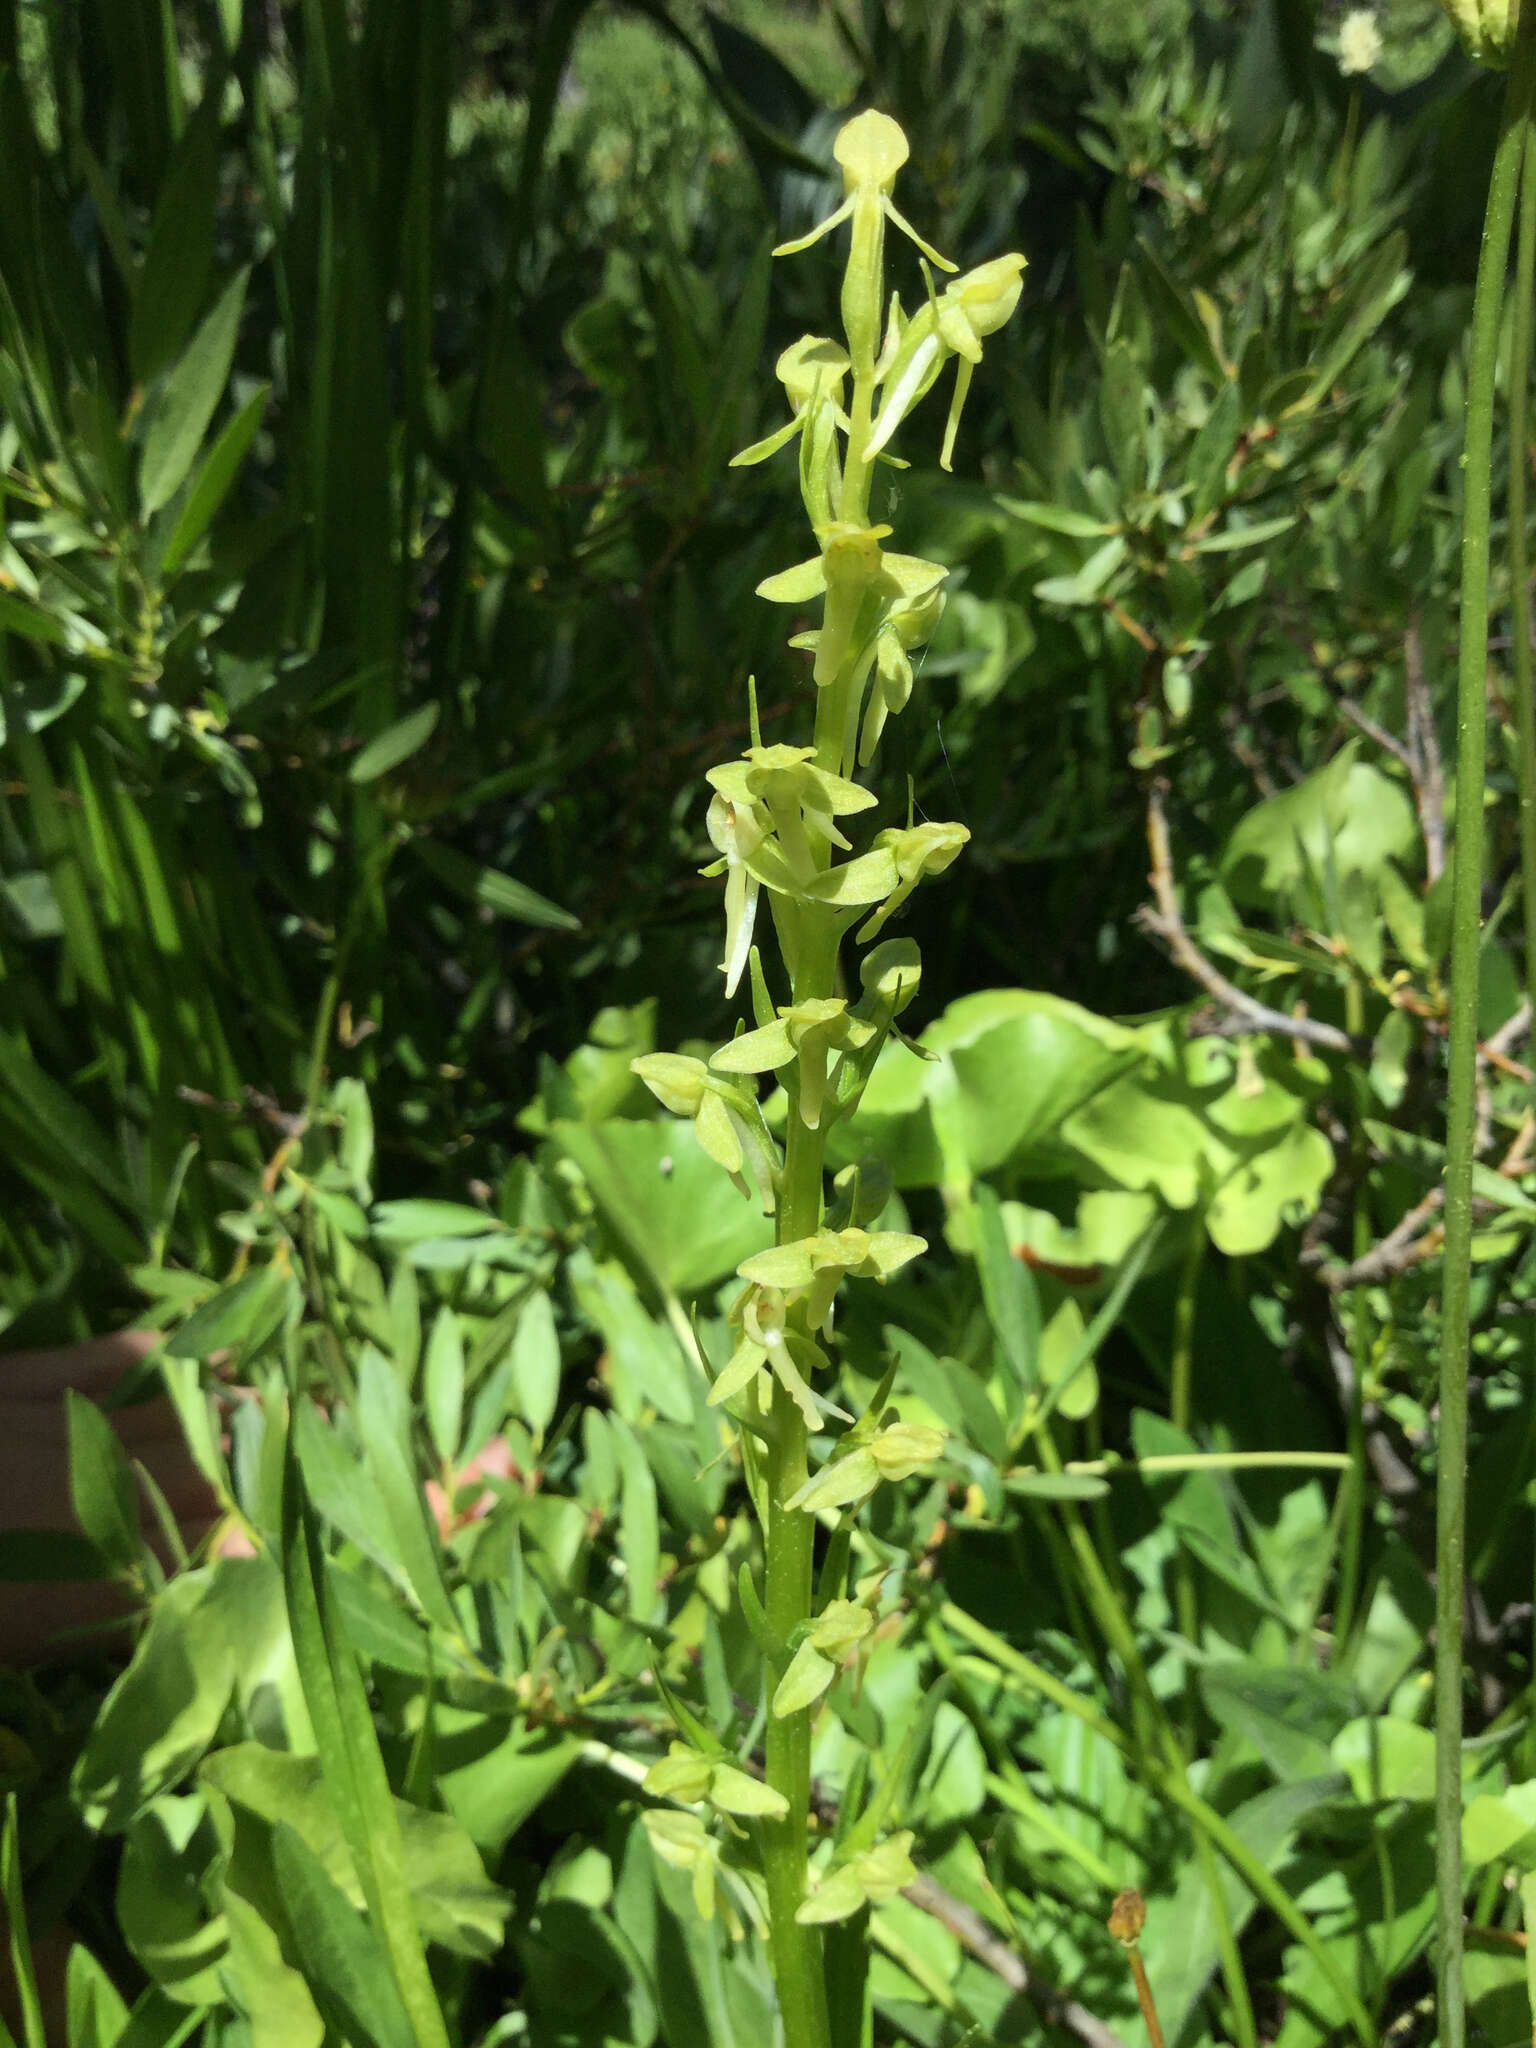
x,y
865,1880
683,1774
871,149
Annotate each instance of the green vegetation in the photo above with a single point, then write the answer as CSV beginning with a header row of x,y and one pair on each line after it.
x,y
378,603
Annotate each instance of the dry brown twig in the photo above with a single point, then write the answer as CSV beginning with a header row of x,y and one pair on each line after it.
x,y
1166,922
972,1932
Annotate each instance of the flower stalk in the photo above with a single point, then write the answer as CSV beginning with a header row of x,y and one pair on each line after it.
x,y
777,821
1490,31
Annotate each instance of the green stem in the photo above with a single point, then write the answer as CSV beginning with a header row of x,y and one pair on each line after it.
x,y
1520,584
1467,882
1180,1407
789,1541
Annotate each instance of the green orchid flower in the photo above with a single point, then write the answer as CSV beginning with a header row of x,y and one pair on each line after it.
x,y
811,1269
892,1453
811,370
917,850
953,324
682,1840
840,1627
805,1033
871,150
851,568
726,1119
686,1776
865,1880
770,1351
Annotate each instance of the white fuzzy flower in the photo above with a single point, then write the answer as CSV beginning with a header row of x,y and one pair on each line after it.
x,y
1360,43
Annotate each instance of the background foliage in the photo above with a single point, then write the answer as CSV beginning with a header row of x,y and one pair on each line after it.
x,y
373,594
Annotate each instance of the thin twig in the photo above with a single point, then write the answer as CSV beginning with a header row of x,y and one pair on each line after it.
x,y
1166,922
1403,1246
1392,744
972,1932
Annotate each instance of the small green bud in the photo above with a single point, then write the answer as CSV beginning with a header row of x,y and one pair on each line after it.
x,y
891,972
904,1448
682,1774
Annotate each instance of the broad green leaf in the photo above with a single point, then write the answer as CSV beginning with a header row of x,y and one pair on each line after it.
x,y
167,1898
455,1903
243,1314
208,1630
272,1997
1291,1715
383,1419
400,1222
1011,1065
171,284
1056,1485
1057,518
1010,1297
535,1359
495,1791
181,412
95,2012
639,1528
1501,1827
1180,1942
665,1199
1386,1758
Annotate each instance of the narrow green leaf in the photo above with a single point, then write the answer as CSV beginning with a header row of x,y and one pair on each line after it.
x,y
179,258
349,1753
23,1975
188,400
1008,1294
490,887
101,1485
211,485
443,1384
345,1967
396,743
